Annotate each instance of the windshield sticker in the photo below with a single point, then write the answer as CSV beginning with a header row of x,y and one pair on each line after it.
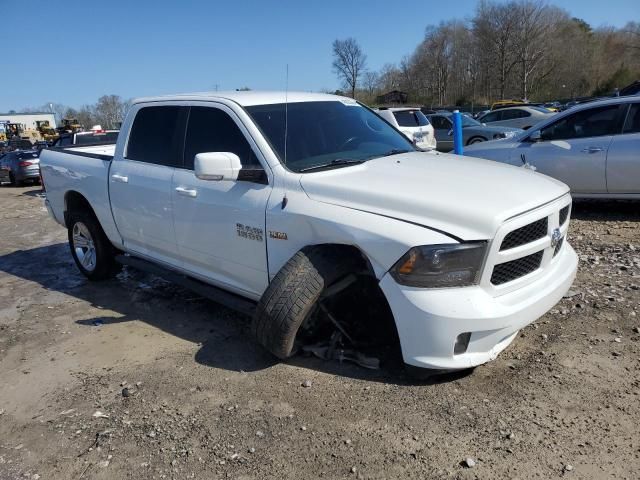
x,y
349,102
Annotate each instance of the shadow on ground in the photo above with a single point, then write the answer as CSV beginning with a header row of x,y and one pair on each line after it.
x,y
606,210
223,334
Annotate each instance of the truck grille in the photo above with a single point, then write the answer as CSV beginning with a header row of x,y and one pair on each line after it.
x,y
564,214
526,244
527,234
506,272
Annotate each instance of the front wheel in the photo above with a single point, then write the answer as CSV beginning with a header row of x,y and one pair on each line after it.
x,y
476,140
91,250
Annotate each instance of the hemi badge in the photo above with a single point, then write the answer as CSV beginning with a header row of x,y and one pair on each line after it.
x,y
277,235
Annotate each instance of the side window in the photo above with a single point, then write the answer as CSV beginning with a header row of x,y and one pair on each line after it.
x,y
440,123
511,114
492,117
212,130
593,122
632,124
156,136
523,113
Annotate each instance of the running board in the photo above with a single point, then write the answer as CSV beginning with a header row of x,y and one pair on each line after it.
x,y
229,300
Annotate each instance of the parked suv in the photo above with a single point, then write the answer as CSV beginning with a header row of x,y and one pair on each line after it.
x,y
413,123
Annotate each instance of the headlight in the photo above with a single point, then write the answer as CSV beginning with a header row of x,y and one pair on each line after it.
x,y
506,134
441,266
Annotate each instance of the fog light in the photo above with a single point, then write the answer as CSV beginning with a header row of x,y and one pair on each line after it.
x,y
462,342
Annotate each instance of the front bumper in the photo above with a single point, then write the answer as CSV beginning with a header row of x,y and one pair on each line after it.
x,y
428,321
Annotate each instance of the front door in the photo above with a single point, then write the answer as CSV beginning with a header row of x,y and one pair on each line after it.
x,y
623,156
220,225
574,148
140,183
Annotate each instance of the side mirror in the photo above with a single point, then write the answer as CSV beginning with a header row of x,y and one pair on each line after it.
x,y
535,137
217,166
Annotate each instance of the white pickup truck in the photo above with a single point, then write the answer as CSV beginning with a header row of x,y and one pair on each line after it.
x,y
283,204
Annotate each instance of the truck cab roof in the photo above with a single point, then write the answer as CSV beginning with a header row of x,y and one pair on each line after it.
x,y
249,98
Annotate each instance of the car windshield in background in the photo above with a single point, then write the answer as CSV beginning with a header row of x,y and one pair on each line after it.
x,y
541,109
331,133
411,118
470,122
93,138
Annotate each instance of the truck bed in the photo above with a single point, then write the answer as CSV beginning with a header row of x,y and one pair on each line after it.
x,y
82,170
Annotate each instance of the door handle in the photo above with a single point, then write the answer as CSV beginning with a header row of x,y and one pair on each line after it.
x,y
187,192
120,178
592,150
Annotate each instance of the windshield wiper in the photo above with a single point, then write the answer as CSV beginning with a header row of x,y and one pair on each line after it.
x,y
395,151
338,162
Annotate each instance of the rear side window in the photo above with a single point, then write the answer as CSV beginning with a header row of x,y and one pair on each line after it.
x,y
156,136
492,117
411,118
213,130
440,123
593,122
632,125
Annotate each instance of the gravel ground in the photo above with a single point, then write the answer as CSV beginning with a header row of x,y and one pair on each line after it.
x,y
136,378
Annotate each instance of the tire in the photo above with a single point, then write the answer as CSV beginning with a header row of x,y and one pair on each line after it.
x,y
12,180
292,296
91,250
476,140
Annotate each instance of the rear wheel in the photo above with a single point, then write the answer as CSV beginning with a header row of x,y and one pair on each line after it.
x,y
91,250
12,180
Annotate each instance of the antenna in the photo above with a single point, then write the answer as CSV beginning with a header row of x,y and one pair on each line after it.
x,y
286,113
286,130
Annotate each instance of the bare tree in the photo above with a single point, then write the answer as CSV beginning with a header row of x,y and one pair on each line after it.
x,y
109,111
349,62
370,80
495,26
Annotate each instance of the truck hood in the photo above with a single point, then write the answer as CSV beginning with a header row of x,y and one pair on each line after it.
x,y
467,198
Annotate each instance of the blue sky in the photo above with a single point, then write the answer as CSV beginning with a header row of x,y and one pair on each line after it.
x,y
143,47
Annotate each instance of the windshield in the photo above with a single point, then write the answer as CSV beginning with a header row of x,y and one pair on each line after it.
x,y
469,122
540,109
319,133
411,118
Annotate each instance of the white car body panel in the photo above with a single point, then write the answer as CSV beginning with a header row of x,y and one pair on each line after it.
x,y
383,207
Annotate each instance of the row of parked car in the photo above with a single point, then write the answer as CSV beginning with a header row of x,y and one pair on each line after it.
x,y
22,165
593,147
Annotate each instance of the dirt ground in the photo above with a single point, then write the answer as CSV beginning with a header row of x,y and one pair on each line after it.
x,y
136,378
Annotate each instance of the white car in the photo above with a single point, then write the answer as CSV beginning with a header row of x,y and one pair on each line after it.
x,y
594,148
336,223
413,123
517,117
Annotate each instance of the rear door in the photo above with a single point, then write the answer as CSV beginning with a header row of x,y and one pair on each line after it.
x,y
220,225
573,149
623,156
140,183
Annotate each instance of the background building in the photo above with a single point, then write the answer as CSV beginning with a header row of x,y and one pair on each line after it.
x,y
29,120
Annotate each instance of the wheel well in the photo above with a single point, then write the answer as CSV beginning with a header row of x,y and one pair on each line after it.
x,y
76,202
361,306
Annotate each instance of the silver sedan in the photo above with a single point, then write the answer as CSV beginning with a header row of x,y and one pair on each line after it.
x,y
472,131
594,148
524,116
